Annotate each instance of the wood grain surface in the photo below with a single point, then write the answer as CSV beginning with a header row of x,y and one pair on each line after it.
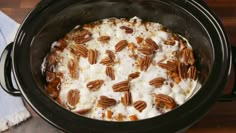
x,y
222,117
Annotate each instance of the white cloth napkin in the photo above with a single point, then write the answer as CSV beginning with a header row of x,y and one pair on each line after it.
x,y
12,109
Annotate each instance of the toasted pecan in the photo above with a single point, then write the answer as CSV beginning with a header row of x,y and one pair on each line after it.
x,y
83,36
127,98
95,85
107,61
127,29
121,86
92,56
83,111
73,97
52,88
110,72
165,101
110,54
140,105
133,76
192,72
52,59
109,114
79,50
157,82
169,65
145,62
188,56
73,68
174,76
133,117
104,39
151,44
121,45
139,40
105,102
183,69
146,50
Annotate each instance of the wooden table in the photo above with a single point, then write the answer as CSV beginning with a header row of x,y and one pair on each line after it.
x,y
220,119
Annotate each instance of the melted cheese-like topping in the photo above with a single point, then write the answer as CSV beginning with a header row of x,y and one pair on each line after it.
x,y
139,87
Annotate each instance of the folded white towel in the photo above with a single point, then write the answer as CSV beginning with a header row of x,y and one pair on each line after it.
x,y
12,109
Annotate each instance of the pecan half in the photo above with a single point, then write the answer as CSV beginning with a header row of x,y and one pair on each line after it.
x,y
192,72
145,63
183,69
95,85
133,117
104,39
140,105
127,98
133,76
169,65
92,56
79,50
107,61
165,101
83,36
83,111
157,82
188,56
127,29
73,97
121,45
73,68
145,50
121,86
151,44
110,54
110,73
139,40
105,102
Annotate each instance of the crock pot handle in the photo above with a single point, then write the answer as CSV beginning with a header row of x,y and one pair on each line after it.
x,y
232,95
5,70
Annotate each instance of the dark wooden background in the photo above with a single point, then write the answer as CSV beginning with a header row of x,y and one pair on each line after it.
x,y
222,117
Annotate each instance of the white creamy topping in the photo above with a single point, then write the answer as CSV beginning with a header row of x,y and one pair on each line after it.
x,y
140,88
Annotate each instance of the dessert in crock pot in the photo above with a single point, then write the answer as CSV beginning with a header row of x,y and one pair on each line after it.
x,y
120,70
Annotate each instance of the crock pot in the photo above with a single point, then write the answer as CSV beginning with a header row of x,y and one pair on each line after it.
x,y
52,19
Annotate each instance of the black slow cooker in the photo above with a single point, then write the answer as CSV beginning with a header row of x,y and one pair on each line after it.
x,y
52,19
